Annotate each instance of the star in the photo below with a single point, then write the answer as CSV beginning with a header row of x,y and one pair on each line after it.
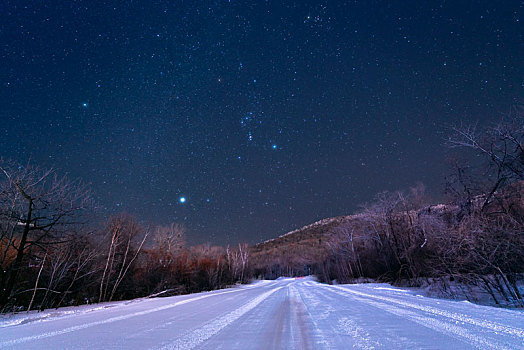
x,y
203,105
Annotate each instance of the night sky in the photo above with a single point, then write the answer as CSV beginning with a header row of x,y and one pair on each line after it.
x,y
246,119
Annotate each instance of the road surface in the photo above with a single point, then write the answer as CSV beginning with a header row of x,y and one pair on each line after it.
x,y
282,314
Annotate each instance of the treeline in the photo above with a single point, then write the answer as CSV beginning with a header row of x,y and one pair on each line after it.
x,y
50,256
475,241
394,240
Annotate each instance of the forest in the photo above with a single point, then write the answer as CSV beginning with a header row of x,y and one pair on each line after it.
x,y
52,255
473,241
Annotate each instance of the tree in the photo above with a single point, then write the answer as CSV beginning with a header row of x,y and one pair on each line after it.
x,y
169,242
239,261
123,232
83,254
501,145
37,209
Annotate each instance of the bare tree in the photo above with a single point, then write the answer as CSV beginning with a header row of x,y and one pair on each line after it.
x,y
169,242
83,255
243,250
123,231
36,283
60,263
239,259
342,247
209,260
502,145
37,207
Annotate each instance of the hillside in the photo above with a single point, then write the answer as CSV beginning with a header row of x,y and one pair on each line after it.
x,y
476,242
300,247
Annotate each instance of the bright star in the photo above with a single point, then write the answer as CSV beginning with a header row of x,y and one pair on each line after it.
x,y
84,104
182,199
274,146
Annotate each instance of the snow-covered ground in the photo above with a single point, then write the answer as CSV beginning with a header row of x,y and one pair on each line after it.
x,y
282,314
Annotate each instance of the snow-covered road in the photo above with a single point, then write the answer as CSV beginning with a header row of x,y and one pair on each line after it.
x,y
282,314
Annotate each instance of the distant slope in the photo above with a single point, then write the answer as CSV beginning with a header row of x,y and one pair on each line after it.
x,y
299,247
291,253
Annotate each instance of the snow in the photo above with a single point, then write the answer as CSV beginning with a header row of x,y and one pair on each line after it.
x,y
322,222
283,314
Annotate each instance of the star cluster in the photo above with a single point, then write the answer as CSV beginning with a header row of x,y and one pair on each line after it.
x,y
246,119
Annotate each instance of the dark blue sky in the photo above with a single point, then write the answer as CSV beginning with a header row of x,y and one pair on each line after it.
x,y
264,115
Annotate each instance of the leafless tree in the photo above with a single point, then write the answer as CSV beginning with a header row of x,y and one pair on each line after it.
x,y
123,231
169,242
502,145
207,265
37,207
83,256
60,263
346,254
36,283
243,250
239,259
